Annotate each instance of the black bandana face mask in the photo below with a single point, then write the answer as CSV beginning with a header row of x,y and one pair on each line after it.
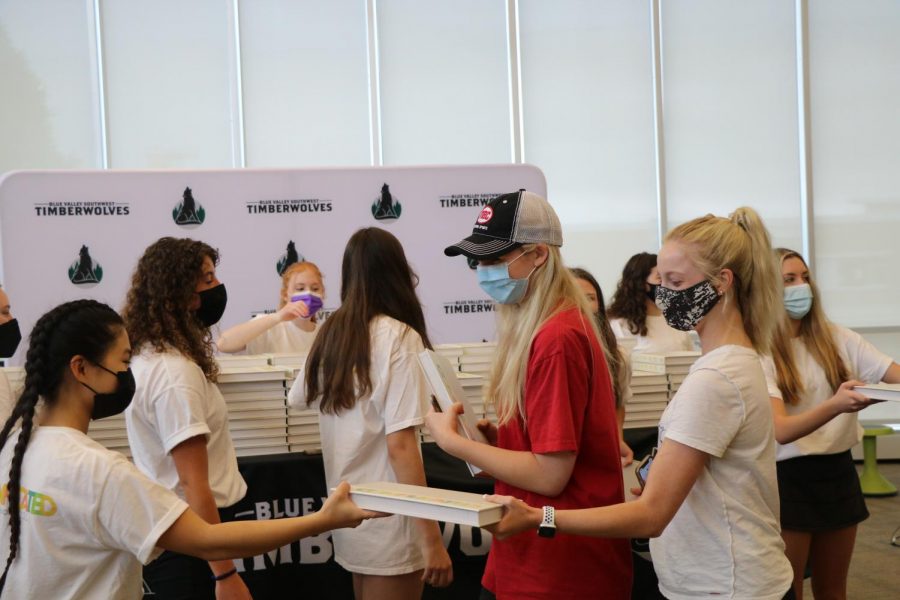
x,y
683,309
212,305
651,293
10,336
113,403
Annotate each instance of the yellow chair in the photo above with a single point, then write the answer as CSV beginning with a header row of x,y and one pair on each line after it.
x,y
872,482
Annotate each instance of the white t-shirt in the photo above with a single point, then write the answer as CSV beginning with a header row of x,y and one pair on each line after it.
x,y
7,402
354,448
725,539
173,403
866,363
89,520
660,337
284,337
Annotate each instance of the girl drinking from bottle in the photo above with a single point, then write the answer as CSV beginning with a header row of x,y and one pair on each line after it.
x,y
293,327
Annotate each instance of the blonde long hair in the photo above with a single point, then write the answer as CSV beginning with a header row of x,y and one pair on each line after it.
x,y
739,243
816,334
552,289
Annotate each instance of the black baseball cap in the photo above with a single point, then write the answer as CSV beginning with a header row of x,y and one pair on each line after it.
x,y
507,222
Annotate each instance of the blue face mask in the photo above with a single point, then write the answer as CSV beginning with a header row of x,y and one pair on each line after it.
x,y
798,300
496,282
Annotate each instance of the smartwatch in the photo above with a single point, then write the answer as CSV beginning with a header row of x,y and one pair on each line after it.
x,y
547,528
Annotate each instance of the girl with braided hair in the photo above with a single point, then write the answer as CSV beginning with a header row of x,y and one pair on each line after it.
x,y
76,519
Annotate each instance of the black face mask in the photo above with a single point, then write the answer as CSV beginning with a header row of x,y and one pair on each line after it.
x,y
212,305
10,336
683,309
113,403
651,293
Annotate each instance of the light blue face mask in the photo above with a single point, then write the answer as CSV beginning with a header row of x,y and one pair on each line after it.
x,y
496,282
798,300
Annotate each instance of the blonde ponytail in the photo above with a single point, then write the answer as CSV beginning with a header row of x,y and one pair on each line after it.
x,y
741,244
760,293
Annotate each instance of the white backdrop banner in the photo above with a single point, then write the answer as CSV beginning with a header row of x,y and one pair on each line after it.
x,y
68,234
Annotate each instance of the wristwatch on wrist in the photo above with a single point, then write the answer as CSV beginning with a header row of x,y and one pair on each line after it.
x,y
547,528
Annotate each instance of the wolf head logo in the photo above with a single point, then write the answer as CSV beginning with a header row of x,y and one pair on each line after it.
x,y
385,207
188,211
84,270
290,257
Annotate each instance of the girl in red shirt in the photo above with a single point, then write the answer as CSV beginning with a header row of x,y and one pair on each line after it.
x,y
557,442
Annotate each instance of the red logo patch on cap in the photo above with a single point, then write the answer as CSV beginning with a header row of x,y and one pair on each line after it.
x,y
485,215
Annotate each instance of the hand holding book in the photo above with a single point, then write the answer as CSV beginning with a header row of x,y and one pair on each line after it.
x,y
448,397
340,510
444,425
517,517
849,398
447,429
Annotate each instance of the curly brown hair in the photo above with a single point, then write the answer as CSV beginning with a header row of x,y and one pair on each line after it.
x,y
157,309
630,300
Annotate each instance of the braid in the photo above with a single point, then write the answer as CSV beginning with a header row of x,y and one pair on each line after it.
x,y
41,379
37,380
13,490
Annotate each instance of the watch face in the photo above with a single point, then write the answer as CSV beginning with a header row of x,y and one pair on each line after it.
x,y
547,532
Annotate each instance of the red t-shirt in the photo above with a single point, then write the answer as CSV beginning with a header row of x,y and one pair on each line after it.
x,y
570,407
